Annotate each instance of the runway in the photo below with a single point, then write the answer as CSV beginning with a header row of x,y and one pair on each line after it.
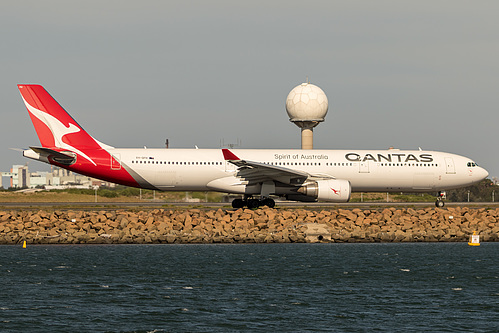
x,y
279,204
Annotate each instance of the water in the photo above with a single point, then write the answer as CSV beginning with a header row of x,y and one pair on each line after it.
x,y
231,288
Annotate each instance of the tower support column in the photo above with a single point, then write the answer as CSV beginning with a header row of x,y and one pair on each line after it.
x,y
307,138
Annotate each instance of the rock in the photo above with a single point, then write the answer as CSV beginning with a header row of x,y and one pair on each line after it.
x,y
248,226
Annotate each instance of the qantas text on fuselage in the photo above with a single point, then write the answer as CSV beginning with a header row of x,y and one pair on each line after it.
x,y
394,157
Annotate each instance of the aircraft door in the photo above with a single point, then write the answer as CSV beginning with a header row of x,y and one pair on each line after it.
x,y
449,165
115,161
364,167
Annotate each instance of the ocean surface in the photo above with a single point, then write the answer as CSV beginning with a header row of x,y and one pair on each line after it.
x,y
442,287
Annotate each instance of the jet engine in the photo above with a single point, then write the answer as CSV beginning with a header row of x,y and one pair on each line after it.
x,y
332,190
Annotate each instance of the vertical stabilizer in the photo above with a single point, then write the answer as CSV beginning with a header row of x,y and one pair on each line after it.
x,y
66,144
54,126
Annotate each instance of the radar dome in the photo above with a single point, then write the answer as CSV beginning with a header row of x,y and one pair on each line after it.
x,y
306,102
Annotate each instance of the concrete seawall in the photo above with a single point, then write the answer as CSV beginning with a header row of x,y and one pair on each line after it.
x,y
247,226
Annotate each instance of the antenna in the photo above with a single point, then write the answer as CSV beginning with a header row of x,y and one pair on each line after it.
x,y
230,145
306,106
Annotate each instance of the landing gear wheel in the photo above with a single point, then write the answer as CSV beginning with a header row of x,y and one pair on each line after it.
x,y
439,203
253,203
237,203
268,202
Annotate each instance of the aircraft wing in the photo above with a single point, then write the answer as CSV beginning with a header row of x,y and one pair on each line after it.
x,y
257,172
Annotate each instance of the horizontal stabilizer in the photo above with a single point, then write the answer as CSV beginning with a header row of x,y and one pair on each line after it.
x,y
65,157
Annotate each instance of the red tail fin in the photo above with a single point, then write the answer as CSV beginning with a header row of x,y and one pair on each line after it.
x,y
54,126
66,144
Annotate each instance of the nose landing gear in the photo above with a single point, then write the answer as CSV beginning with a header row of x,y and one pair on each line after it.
x,y
440,202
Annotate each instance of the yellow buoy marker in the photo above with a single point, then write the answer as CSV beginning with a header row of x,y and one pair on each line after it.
x,y
474,239
24,244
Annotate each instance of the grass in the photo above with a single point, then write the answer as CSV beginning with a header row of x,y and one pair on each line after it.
x,y
128,194
392,197
105,195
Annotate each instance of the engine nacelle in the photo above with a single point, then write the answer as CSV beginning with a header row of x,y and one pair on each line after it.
x,y
332,190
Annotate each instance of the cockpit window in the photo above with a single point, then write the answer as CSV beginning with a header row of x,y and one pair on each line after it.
x,y
472,164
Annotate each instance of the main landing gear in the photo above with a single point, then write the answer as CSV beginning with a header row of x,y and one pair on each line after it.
x,y
440,202
253,203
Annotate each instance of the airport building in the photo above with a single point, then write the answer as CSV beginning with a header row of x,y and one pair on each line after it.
x,y
57,178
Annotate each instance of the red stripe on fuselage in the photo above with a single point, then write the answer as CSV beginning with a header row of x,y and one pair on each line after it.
x,y
103,168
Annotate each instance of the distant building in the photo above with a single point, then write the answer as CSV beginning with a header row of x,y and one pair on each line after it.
x,y
19,176
58,178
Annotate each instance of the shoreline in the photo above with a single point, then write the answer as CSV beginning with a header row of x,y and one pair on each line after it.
x,y
283,225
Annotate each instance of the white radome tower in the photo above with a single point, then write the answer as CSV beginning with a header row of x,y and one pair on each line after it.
x,y
307,106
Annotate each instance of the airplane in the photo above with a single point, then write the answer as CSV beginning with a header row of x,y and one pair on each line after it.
x,y
256,174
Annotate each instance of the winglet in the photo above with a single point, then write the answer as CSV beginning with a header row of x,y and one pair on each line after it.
x,y
229,156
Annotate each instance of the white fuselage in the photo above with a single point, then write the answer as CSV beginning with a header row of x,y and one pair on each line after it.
x,y
366,170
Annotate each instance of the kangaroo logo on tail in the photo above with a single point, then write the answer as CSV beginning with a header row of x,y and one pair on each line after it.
x,y
57,128
67,145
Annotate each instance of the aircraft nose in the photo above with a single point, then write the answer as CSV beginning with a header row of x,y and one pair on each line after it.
x,y
483,173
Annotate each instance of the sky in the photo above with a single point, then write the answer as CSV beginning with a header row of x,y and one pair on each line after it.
x,y
406,74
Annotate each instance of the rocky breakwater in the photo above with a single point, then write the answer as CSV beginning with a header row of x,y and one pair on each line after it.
x,y
247,226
